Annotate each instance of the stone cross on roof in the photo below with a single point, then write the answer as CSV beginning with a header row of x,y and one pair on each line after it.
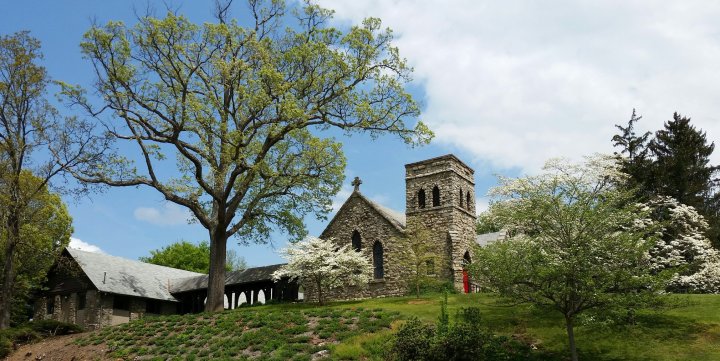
x,y
356,183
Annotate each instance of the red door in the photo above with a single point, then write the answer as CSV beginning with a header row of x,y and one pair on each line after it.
x,y
466,282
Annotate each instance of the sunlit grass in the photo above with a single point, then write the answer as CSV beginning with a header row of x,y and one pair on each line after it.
x,y
362,330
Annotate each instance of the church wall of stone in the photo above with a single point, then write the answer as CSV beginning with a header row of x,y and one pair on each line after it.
x,y
357,214
452,222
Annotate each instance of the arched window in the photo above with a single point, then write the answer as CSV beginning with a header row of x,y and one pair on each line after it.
x,y
461,199
430,265
466,259
436,196
378,260
356,240
467,200
421,198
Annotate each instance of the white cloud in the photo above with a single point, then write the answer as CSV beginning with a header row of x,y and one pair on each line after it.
x,y
481,204
168,215
341,197
84,246
516,83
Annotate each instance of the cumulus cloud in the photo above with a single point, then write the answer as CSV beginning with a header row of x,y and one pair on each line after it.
x,y
84,246
169,214
516,83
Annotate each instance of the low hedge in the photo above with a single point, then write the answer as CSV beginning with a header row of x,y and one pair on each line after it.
x,y
29,332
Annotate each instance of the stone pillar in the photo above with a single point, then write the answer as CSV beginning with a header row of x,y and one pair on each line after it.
x,y
71,315
57,308
40,311
137,309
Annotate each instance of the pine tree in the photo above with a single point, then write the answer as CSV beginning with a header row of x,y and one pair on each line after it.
x,y
635,158
682,162
675,162
682,169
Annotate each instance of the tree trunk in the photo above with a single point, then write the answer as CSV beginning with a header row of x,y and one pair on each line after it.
x,y
8,277
321,301
571,337
216,278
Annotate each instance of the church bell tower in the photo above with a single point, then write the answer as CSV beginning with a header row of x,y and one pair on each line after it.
x,y
440,196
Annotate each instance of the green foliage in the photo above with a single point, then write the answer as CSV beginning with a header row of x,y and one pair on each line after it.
x,y
675,163
465,339
192,257
244,108
52,327
486,224
33,331
30,125
421,262
268,332
44,232
579,242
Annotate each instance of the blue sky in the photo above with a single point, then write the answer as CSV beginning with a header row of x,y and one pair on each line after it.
x,y
505,86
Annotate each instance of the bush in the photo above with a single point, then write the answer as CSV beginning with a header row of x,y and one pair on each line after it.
x,y
465,339
54,328
413,340
33,331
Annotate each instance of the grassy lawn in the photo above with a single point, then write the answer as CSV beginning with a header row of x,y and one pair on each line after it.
x,y
362,330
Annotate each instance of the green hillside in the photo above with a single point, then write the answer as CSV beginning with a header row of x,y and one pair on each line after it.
x,y
363,330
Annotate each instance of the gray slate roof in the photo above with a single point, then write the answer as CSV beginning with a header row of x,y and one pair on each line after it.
x,y
127,277
254,274
487,238
395,217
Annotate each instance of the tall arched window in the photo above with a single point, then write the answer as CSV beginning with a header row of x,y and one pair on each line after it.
x,y
378,260
461,199
421,198
466,259
467,202
356,240
436,196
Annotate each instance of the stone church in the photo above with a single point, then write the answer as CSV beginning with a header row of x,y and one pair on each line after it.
x,y
105,290
439,195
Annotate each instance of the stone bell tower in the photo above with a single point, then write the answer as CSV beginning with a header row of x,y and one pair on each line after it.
x,y
440,196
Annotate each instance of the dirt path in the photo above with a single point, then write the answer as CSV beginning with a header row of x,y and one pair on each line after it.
x,y
60,348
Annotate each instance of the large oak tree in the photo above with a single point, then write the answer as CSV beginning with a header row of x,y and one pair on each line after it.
x,y
244,111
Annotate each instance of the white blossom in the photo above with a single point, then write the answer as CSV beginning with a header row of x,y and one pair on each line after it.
x,y
684,248
323,266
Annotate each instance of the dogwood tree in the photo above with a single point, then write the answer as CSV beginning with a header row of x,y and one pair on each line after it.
x,y
683,248
683,243
577,241
321,265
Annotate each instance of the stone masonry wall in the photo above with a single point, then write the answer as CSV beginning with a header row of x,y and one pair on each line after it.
x,y
357,214
452,222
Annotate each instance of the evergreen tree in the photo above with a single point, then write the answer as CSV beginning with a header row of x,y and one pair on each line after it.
x,y
682,162
682,169
675,163
635,157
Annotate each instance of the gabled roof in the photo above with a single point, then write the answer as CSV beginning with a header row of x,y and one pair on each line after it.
x,y
127,277
487,238
395,218
255,274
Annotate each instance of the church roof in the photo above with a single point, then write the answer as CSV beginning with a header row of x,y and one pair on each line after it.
x,y
487,238
254,274
396,218
127,277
